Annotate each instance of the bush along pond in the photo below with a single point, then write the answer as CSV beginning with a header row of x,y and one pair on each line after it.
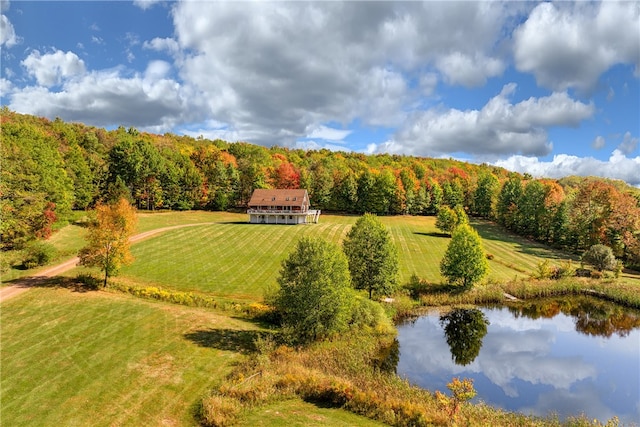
x,y
564,357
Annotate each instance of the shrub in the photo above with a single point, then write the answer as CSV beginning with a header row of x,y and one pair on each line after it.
x,y
565,270
367,314
88,281
596,274
219,411
38,253
601,257
402,307
544,270
417,286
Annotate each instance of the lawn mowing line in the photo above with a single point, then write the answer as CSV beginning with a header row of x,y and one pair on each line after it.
x,y
407,262
412,250
74,359
269,267
275,236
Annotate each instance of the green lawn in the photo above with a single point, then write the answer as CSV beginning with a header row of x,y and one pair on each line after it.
x,y
236,260
103,359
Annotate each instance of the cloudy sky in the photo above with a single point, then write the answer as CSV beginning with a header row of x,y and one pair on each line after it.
x,y
547,88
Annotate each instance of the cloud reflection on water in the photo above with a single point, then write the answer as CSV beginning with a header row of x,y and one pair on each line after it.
x,y
539,366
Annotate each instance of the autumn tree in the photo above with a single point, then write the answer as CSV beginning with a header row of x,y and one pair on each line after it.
x,y
486,195
507,210
373,258
464,261
313,296
108,238
435,197
446,219
286,176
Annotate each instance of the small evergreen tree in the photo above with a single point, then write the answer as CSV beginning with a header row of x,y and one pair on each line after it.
x,y
464,262
373,258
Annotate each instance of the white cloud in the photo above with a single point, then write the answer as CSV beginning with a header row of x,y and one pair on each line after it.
x,y
628,144
146,4
168,45
327,133
52,68
106,98
305,64
6,87
315,145
598,142
572,44
499,128
618,166
467,70
7,32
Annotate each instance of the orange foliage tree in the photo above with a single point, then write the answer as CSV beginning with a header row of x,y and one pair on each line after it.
x,y
108,238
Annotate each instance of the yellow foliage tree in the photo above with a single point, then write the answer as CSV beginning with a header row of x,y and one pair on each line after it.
x,y
108,238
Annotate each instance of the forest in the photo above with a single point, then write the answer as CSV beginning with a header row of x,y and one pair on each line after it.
x,y
51,168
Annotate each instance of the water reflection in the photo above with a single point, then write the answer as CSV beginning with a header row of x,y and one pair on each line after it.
x,y
592,317
464,329
560,356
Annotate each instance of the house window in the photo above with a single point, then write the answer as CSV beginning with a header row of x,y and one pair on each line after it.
x,y
294,199
288,198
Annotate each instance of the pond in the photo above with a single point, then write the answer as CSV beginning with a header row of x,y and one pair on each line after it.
x,y
564,357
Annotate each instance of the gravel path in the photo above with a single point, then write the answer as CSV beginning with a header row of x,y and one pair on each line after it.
x,y
24,284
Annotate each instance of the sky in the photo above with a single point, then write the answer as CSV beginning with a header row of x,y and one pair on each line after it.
x,y
548,88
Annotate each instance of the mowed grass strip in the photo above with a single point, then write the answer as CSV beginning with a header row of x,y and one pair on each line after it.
x,y
101,359
240,261
231,259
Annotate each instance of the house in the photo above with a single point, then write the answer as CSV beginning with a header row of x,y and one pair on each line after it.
x,y
281,207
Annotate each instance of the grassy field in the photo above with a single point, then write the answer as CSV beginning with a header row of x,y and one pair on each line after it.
x,y
102,359
94,358
235,260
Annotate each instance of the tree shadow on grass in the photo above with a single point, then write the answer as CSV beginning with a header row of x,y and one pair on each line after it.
x,y
233,222
432,234
239,341
75,284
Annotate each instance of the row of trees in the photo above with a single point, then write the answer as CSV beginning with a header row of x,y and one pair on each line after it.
x,y
595,212
316,298
52,167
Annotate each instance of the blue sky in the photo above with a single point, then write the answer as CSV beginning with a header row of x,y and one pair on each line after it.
x,y
546,88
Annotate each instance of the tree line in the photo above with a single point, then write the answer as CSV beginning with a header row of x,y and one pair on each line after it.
x,y
50,168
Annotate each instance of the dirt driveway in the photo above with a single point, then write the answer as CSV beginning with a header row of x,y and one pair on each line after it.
x,y
24,284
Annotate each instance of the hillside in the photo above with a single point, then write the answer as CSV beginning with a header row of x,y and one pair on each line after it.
x,y
51,168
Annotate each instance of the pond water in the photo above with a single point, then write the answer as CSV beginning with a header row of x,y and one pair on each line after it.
x,y
563,357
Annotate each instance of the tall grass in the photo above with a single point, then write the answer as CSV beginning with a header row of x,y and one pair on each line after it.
x,y
341,374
